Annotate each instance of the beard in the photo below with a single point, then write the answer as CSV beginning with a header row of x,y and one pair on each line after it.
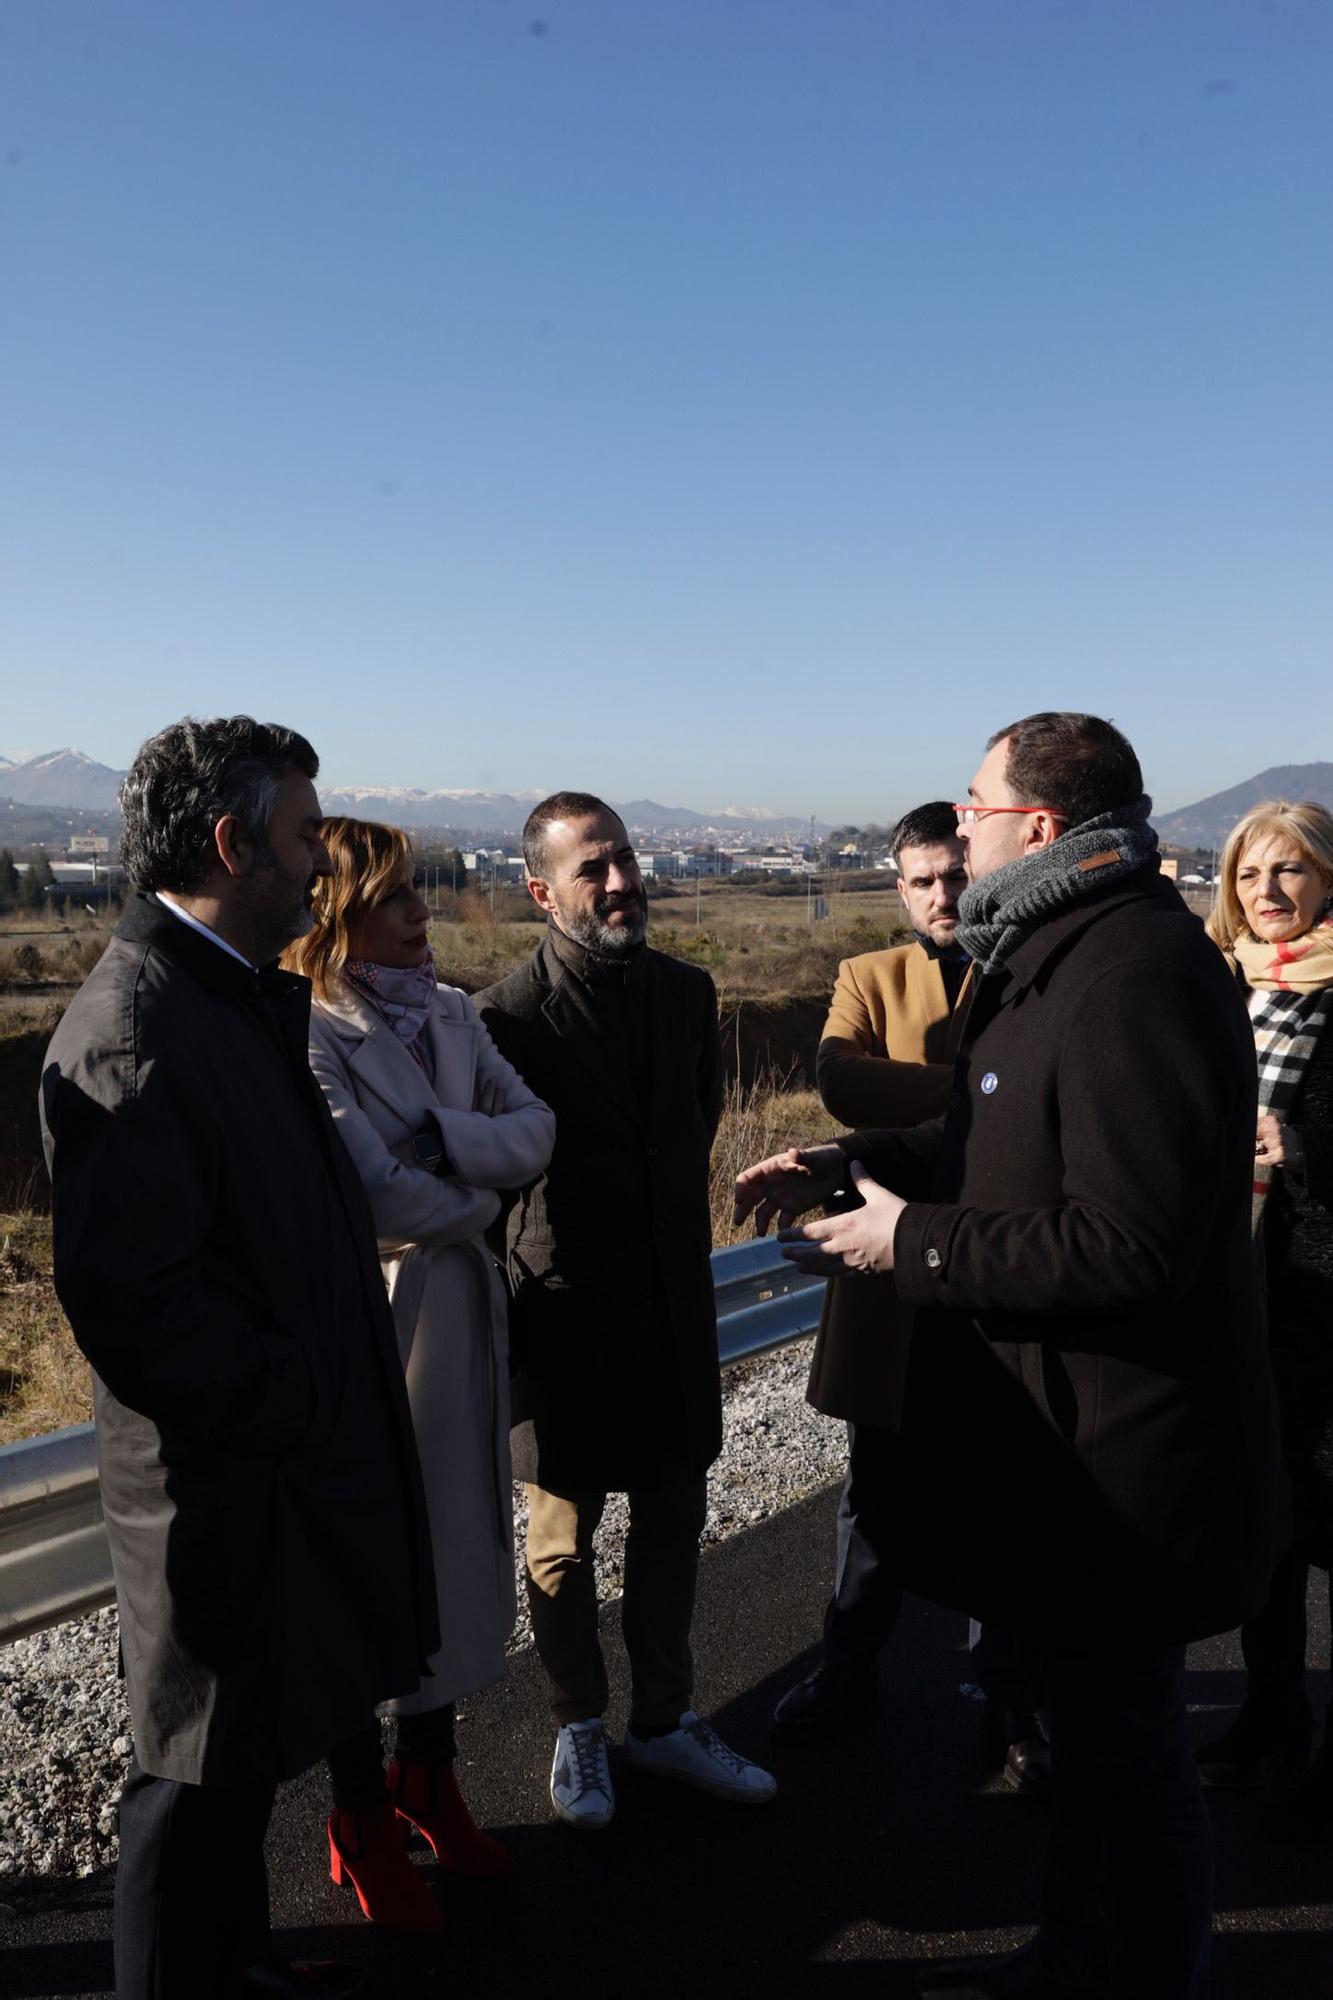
x,y
277,909
594,931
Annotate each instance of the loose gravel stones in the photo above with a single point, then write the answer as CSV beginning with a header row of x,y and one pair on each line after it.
x,y
64,1725
64,1751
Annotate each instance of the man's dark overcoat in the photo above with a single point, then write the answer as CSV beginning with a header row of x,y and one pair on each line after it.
x,y
613,1329
1089,1428
217,1260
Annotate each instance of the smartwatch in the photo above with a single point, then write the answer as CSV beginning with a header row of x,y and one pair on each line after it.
x,y
429,1150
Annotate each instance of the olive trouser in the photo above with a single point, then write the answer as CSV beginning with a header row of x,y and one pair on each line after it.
x,y
661,1562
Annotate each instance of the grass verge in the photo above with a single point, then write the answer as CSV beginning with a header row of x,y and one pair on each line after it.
x,y
44,1380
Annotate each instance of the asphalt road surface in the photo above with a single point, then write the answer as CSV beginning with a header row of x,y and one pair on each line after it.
x,y
879,1853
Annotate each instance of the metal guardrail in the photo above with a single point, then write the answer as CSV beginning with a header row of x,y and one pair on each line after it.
x,y
762,1301
54,1559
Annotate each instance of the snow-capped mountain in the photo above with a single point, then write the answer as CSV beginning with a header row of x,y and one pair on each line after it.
x,y
72,779
407,805
60,778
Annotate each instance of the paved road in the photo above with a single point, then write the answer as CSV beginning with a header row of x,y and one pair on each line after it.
x,y
878,1854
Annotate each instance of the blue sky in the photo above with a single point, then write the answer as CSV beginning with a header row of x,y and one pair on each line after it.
x,y
724,401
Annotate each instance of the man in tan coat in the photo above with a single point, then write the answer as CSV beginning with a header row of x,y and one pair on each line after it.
x,y
886,1059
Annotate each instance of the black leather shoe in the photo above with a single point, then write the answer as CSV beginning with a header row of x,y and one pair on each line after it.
x,y
1006,1975
1306,1813
1027,1768
302,1979
1260,1748
824,1702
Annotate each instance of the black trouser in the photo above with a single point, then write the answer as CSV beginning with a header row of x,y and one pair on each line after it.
x,y
867,1598
356,1766
1129,1871
1273,1643
191,1888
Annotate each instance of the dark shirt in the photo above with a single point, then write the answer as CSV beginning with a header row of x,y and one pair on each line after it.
x,y
953,963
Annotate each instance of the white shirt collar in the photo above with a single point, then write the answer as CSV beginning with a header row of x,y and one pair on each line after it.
x,y
203,930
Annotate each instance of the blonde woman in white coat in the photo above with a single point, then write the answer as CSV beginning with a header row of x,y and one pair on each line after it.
x,y
437,1124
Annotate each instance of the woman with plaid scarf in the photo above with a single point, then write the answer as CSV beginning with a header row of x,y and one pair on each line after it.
x,y
1274,919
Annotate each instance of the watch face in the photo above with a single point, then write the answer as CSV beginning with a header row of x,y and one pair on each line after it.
x,y
427,1150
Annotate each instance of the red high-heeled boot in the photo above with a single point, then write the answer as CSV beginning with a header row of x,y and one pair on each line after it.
x,y
428,1796
368,1850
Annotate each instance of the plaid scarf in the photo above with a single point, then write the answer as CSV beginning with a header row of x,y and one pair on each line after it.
x,y
1291,998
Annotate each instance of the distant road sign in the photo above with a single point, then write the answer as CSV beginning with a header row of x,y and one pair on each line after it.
x,y
89,843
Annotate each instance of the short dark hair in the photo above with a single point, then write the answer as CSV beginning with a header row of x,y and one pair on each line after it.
x,y
560,805
191,775
924,826
1078,765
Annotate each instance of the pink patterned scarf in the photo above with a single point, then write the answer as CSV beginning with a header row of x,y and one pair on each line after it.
x,y
404,996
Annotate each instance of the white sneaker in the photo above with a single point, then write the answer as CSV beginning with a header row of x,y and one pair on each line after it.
x,y
696,1754
581,1789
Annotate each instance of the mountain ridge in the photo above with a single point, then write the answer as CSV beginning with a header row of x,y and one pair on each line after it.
x,y
70,780
1208,822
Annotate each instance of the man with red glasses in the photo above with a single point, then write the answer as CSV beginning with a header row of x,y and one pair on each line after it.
x,y
1089,1440
886,1059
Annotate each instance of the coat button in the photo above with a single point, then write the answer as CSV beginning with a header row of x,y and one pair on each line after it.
x,y
934,1259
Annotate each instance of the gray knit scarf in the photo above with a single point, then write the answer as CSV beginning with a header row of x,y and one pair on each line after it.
x,y
996,914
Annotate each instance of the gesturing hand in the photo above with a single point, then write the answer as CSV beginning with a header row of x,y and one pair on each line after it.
x,y
860,1242
787,1184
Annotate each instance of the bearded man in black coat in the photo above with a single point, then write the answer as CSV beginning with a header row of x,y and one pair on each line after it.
x,y
613,1325
217,1259
1089,1442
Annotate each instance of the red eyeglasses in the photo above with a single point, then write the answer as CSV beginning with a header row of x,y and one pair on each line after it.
x,y
968,815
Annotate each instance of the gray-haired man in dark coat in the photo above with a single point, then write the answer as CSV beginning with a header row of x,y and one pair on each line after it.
x,y
1090,1451
217,1260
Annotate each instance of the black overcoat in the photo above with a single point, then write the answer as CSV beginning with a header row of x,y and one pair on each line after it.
x,y
613,1329
217,1260
1090,1445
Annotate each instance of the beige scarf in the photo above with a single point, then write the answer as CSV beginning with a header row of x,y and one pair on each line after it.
x,y
1301,966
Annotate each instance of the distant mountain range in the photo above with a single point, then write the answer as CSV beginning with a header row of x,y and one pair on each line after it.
x,y
505,812
69,778
74,782
1208,823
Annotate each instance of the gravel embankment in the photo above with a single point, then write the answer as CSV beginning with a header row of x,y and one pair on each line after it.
x,y
64,1728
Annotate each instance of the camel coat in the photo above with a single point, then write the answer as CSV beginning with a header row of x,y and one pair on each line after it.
x,y
886,1060
447,1298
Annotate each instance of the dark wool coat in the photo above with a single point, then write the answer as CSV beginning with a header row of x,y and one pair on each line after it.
x,y
1298,1272
1090,1447
215,1254
613,1328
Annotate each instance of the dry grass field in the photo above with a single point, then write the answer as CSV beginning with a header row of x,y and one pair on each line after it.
x,y
44,1379
774,968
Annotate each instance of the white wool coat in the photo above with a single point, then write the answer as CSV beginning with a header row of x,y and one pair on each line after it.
x,y
447,1298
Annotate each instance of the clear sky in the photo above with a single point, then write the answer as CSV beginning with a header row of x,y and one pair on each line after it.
x,y
724,401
